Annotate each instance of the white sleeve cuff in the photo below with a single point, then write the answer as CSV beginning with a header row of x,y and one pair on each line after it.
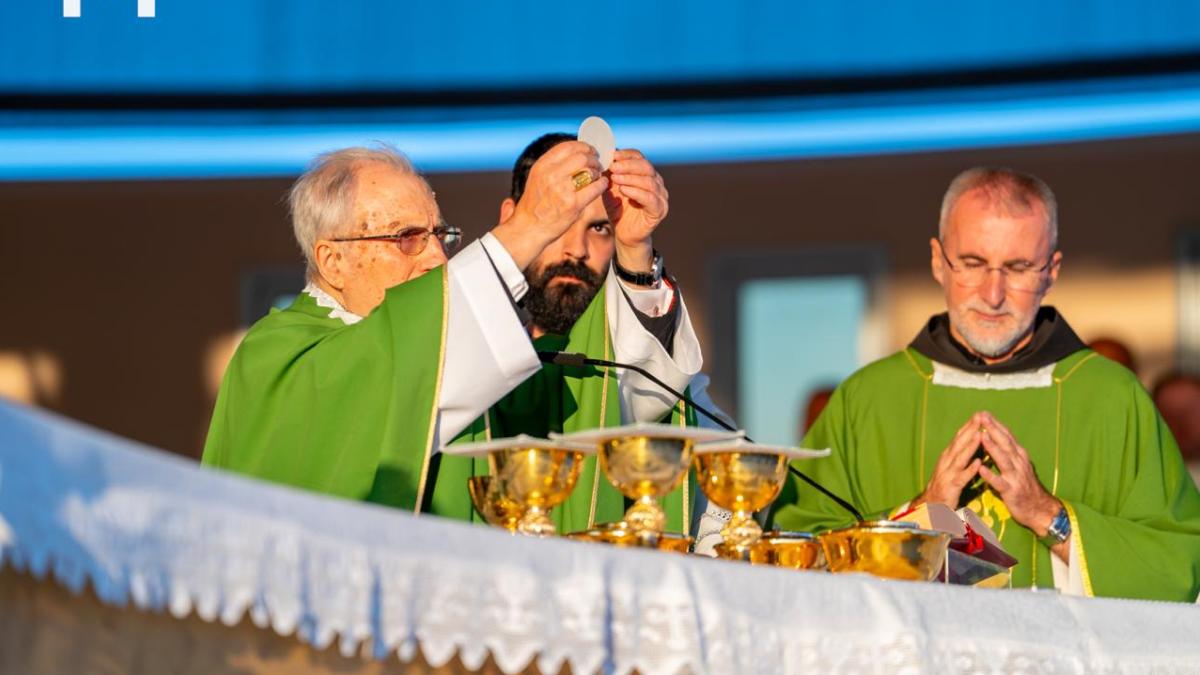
x,y
651,301
512,275
641,399
708,534
1068,578
488,352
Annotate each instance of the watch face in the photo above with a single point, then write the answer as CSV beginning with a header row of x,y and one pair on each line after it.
x,y
1060,527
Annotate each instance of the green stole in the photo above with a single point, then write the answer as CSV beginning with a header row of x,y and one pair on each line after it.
x,y
1093,436
346,410
565,399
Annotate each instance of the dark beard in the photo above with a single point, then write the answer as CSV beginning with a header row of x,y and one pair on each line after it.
x,y
556,309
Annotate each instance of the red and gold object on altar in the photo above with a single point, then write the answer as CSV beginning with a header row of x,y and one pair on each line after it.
x,y
974,556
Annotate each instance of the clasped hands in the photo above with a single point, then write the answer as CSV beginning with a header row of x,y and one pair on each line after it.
x,y
1016,481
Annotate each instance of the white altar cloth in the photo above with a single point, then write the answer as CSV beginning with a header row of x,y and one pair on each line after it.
x,y
160,531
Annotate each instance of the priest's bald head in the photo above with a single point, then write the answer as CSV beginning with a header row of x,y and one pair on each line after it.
x,y
996,256
366,221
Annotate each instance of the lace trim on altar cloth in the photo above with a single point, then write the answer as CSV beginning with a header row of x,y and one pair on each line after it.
x,y
152,531
336,311
948,376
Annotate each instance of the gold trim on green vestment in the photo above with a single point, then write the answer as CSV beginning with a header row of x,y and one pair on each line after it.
x,y
1077,544
925,380
1076,538
603,411
437,393
686,523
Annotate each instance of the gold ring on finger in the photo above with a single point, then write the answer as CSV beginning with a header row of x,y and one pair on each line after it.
x,y
581,179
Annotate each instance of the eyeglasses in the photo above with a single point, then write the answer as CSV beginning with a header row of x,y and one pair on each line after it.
x,y
413,240
1018,276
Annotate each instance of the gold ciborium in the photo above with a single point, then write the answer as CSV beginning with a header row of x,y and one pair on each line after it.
x,y
533,474
493,505
620,534
889,549
793,550
645,462
744,477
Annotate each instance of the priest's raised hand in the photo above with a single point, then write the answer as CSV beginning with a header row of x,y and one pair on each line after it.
x,y
637,202
553,200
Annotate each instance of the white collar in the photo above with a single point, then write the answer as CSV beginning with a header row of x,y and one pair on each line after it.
x,y
949,376
336,311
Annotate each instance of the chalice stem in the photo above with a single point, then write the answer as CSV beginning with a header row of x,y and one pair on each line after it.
x,y
646,515
536,523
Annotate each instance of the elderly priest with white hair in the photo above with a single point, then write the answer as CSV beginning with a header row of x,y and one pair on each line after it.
x,y
390,351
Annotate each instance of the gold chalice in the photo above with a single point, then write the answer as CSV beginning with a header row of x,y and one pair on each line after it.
x,y
744,477
532,473
495,508
889,549
645,462
793,550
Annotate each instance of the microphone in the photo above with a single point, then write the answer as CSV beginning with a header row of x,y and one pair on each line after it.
x,y
577,360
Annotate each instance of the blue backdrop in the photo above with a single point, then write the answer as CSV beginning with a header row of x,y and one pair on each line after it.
x,y
235,46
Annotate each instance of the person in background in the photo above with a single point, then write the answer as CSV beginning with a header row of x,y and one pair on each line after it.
x,y
814,406
1114,350
1177,397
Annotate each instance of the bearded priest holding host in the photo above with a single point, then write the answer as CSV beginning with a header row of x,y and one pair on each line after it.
x,y
391,351
600,289
998,405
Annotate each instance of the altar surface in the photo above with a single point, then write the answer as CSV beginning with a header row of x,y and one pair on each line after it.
x,y
168,566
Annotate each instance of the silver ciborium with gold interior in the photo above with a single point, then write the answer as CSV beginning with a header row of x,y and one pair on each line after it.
x,y
888,549
529,476
793,550
745,477
645,462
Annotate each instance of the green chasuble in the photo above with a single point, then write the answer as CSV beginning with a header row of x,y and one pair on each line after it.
x,y
565,399
343,409
1095,440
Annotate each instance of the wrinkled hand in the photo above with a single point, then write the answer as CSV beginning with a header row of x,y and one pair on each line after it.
x,y
550,197
955,468
1017,483
636,202
550,203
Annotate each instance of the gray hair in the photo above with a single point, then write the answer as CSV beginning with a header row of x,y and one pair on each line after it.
x,y
322,200
1009,192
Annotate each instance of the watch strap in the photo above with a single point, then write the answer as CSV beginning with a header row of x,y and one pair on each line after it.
x,y
1059,529
651,278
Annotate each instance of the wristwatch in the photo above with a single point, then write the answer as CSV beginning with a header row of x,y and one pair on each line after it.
x,y
1059,529
651,278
